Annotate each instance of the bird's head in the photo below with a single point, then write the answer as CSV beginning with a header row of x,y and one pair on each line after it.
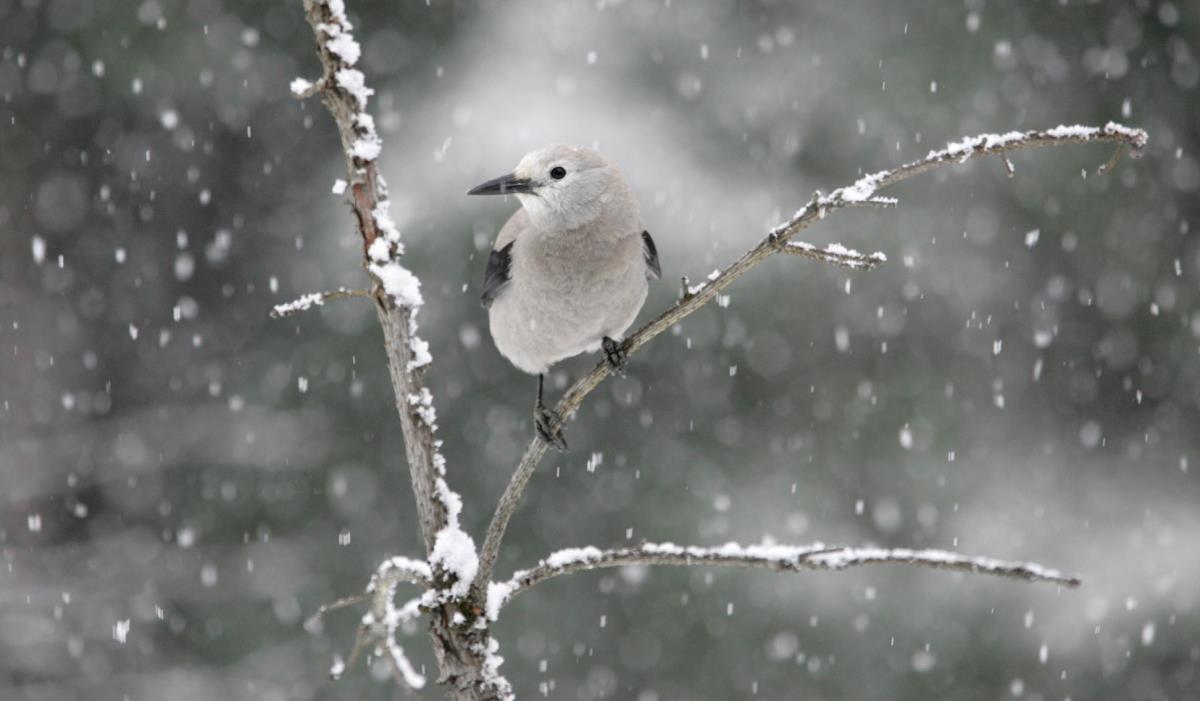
x,y
565,186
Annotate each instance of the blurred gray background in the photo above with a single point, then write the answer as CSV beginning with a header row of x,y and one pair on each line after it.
x,y
174,502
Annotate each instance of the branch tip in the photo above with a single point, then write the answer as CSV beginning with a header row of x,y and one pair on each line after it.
x,y
835,253
1008,165
685,292
314,299
302,89
1112,162
314,621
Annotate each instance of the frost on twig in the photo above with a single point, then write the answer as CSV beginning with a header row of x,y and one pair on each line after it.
x,y
377,630
781,558
315,299
837,254
862,192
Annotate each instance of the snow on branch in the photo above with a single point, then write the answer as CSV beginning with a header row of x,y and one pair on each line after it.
x,y
377,630
858,194
467,656
344,93
314,299
781,558
835,253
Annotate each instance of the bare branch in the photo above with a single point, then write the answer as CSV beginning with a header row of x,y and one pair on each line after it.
x,y
315,299
1112,162
860,193
781,558
314,621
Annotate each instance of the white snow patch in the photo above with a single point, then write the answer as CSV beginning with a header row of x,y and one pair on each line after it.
x,y
354,82
454,552
367,148
424,405
383,220
299,86
401,285
571,556
345,47
497,595
421,355
379,251
862,189
300,304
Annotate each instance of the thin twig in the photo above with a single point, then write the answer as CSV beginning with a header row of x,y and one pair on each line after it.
x,y
315,620
303,89
685,288
854,195
835,253
361,638
315,299
1112,162
781,558
1008,165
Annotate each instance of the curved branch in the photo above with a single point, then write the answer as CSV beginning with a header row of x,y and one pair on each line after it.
x,y
781,558
861,193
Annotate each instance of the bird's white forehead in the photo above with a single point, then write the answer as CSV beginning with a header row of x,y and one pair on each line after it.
x,y
534,162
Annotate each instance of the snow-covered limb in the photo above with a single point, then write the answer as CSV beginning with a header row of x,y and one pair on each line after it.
x,y
345,95
781,558
465,665
315,299
835,253
860,193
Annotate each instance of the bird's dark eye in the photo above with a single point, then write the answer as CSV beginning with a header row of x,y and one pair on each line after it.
x,y
558,172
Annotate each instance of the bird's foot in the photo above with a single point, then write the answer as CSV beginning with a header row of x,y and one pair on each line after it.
x,y
548,423
615,354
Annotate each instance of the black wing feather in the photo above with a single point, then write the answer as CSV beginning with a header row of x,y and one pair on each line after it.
x,y
654,270
497,274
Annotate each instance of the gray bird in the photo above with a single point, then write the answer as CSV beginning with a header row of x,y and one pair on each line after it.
x,y
568,273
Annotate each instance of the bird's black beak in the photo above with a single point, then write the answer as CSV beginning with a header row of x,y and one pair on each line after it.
x,y
503,185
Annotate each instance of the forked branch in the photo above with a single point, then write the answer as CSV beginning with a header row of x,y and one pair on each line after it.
x,y
860,193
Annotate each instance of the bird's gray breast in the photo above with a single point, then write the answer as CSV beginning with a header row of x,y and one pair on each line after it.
x,y
565,293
